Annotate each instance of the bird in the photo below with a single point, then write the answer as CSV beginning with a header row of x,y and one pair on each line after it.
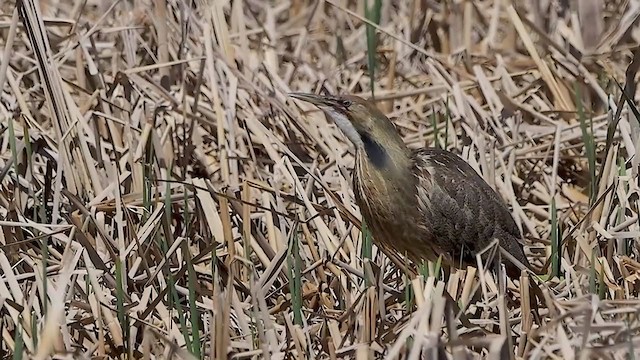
x,y
421,203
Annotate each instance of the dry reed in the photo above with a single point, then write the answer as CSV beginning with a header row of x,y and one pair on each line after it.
x,y
160,196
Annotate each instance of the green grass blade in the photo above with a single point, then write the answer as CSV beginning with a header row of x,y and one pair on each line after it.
x,y
120,296
592,273
295,274
437,267
44,250
174,302
18,353
193,308
555,241
601,286
409,302
34,328
367,242
372,13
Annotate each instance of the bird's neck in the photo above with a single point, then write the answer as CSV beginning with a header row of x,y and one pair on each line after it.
x,y
389,157
384,192
388,167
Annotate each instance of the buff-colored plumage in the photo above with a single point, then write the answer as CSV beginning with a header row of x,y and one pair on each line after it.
x,y
422,203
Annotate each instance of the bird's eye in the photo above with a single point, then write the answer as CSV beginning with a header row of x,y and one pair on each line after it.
x,y
346,103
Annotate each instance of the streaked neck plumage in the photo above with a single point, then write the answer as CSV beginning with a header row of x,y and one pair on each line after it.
x,y
385,151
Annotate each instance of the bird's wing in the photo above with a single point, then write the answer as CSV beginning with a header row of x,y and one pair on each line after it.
x,y
463,211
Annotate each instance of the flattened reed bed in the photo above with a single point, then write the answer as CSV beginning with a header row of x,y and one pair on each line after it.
x,y
161,196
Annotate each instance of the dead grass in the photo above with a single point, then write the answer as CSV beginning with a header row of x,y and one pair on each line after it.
x,y
160,196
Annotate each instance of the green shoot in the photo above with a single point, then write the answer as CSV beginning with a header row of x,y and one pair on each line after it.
x,y
195,316
556,247
295,278
372,13
18,351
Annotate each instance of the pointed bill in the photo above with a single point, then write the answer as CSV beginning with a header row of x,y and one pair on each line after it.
x,y
315,99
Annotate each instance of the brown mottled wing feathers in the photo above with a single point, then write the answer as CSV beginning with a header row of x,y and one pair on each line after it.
x,y
463,211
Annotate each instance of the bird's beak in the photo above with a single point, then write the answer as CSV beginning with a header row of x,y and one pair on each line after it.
x,y
335,109
314,99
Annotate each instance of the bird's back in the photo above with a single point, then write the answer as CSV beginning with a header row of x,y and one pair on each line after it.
x,y
464,214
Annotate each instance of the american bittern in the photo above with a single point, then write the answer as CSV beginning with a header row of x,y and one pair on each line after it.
x,y
422,203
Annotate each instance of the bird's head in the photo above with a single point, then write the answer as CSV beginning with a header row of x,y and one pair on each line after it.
x,y
364,124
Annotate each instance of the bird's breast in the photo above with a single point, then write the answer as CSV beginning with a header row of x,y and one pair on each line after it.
x,y
389,205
